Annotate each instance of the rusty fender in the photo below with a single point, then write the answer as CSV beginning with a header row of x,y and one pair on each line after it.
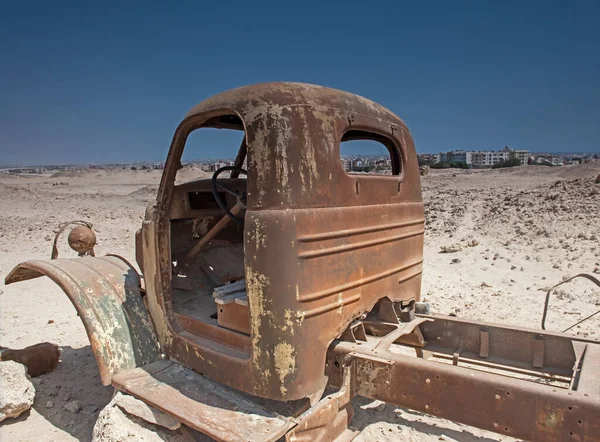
x,y
107,296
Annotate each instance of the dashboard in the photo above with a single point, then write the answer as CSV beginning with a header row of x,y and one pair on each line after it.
x,y
195,199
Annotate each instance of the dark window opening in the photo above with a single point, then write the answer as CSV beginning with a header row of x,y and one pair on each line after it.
x,y
368,152
203,200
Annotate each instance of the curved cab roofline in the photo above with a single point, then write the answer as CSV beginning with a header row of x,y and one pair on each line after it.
x,y
247,100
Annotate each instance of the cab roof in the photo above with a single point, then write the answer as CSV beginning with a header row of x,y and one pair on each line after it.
x,y
248,101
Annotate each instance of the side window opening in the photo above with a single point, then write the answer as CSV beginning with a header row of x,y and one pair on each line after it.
x,y
363,152
214,145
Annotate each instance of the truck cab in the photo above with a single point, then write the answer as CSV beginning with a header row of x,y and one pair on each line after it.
x,y
250,275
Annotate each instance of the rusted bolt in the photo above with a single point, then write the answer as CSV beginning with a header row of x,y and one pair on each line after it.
x,y
497,397
426,407
428,381
495,424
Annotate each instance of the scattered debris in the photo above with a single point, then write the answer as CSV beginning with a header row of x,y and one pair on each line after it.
x,y
38,358
451,249
73,406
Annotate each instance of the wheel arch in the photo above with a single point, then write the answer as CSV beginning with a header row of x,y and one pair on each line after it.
x,y
107,295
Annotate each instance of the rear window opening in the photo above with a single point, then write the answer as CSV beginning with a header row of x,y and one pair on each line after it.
x,y
363,152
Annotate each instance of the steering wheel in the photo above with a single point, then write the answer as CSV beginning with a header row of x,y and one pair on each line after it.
x,y
240,197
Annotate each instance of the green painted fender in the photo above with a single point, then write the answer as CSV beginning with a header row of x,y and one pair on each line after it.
x,y
106,293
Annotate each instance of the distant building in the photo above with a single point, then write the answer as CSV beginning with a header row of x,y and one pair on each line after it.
x,y
429,157
347,164
218,165
522,155
488,158
460,156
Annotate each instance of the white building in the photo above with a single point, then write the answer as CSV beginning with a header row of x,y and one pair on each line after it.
x,y
522,155
461,156
347,164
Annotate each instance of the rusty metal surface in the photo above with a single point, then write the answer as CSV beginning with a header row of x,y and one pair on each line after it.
x,y
202,404
588,379
106,294
328,419
39,358
234,316
510,406
82,238
549,352
321,246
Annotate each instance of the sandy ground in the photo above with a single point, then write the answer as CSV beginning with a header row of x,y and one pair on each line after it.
x,y
532,226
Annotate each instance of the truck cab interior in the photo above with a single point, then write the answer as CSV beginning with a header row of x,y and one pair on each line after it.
x,y
207,241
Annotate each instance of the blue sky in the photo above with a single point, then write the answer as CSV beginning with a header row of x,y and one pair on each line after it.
x,y
104,82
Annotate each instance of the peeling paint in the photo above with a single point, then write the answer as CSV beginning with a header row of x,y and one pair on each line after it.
x,y
289,324
285,364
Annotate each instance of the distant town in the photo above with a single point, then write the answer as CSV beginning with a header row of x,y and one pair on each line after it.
x,y
505,157
377,164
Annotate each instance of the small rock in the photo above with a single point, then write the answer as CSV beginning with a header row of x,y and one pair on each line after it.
x,y
90,409
50,321
16,390
380,407
150,414
73,406
113,425
455,261
49,404
450,249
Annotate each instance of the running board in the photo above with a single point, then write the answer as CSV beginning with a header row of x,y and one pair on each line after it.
x,y
202,404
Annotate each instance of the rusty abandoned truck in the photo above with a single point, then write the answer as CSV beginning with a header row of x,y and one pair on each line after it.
x,y
270,296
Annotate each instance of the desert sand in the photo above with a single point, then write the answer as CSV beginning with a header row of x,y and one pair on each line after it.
x,y
513,234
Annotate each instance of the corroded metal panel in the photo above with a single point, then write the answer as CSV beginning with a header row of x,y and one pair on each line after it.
x,y
106,294
321,246
202,404
510,406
